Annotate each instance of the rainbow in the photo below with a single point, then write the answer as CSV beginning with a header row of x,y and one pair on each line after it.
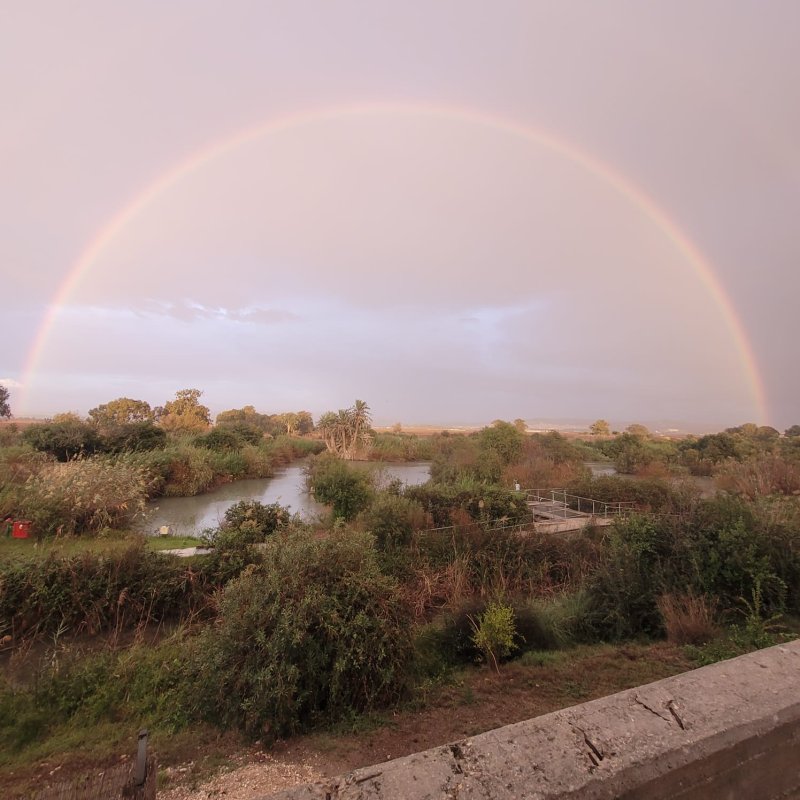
x,y
558,145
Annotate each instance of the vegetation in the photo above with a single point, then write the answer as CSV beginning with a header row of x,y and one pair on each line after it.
x,y
495,633
185,414
316,632
347,491
346,433
288,626
5,406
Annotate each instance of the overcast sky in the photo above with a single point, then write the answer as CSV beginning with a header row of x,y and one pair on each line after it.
x,y
388,230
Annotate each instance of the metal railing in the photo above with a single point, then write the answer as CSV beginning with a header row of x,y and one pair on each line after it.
x,y
561,504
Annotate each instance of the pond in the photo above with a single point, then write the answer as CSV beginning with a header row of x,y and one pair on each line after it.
x,y
189,516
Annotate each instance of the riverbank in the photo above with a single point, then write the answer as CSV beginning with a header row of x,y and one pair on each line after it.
x,y
190,516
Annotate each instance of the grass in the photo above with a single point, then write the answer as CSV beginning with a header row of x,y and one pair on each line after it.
x,y
462,703
75,545
173,542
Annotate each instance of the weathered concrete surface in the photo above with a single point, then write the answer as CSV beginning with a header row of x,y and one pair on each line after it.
x,y
731,730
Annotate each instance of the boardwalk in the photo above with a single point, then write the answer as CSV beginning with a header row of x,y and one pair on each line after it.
x,y
555,511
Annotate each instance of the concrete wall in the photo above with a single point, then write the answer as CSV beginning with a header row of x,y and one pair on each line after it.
x,y
731,730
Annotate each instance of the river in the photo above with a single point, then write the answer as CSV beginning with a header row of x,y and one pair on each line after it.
x,y
189,516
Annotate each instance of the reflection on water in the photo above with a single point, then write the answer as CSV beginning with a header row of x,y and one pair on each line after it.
x,y
188,516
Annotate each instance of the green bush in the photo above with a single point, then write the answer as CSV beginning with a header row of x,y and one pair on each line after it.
x,y
92,592
487,504
725,549
392,520
314,634
65,440
220,439
249,522
348,491
228,466
495,633
133,437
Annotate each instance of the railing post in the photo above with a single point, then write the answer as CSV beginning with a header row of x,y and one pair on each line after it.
x,y
141,759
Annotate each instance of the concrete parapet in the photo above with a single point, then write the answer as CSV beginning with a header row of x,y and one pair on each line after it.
x,y
730,730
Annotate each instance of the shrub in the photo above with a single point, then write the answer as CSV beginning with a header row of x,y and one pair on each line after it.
x,y
228,465
392,520
347,490
92,592
188,472
65,440
259,464
313,634
633,572
133,437
249,522
220,439
651,494
495,632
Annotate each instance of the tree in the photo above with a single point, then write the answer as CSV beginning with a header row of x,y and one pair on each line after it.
x,y
185,414
133,437
630,452
305,422
289,420
251,418
766,433
347,431
638,430
5,408
793,431
65,439
121,411
600,428
521,425
503,439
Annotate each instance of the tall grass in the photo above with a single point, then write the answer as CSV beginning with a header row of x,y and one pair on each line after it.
x,y
85,495
451,568
89,593
765,475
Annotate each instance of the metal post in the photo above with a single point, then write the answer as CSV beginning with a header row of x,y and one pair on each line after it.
x,y
141,758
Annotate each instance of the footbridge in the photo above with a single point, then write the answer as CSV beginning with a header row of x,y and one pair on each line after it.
x,y
556,510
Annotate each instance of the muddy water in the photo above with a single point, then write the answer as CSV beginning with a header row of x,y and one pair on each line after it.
x,y
188,516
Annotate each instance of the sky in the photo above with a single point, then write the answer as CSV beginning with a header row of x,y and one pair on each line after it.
x,y
456,211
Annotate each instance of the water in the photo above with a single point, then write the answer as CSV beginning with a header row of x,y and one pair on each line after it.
x,y
189,516
600,469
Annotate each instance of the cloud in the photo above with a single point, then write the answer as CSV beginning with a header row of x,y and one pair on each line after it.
x,y
10,383
191,311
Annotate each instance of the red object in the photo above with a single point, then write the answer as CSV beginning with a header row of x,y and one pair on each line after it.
x,y
21,529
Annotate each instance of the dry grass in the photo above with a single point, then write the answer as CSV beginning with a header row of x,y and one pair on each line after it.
x,y
688,618
758,477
